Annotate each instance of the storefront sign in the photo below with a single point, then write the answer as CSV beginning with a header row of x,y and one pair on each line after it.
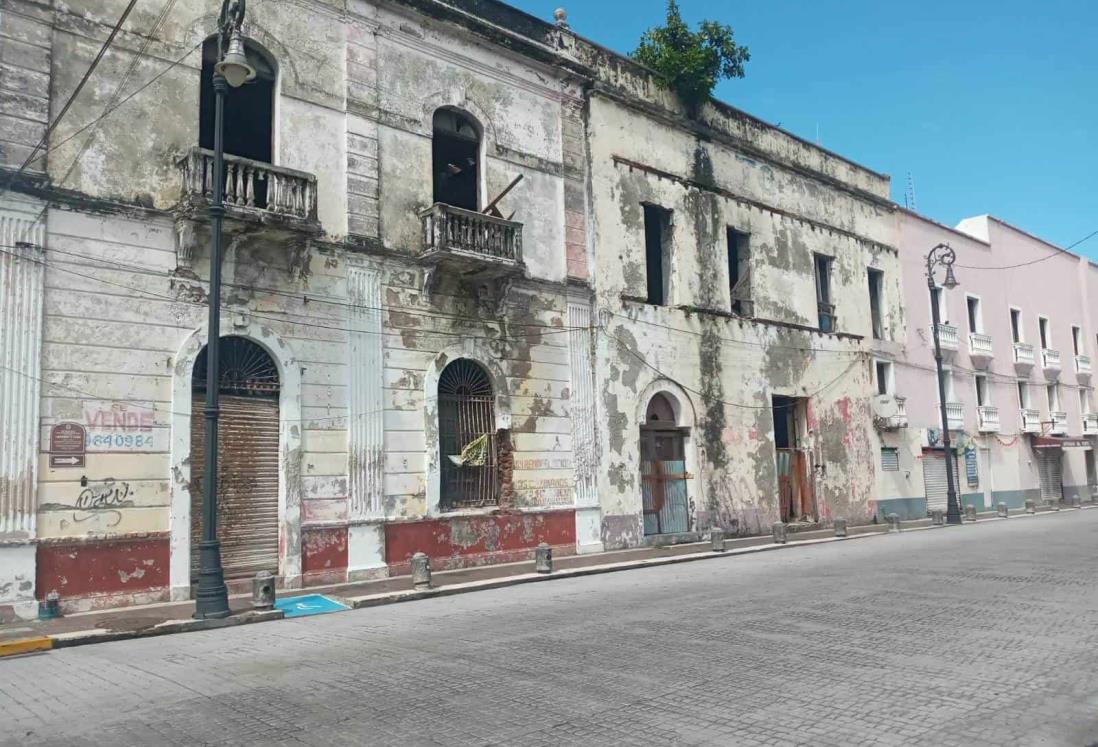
x,y
67,445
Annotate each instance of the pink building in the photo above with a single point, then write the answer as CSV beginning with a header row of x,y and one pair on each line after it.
x,y
1018,340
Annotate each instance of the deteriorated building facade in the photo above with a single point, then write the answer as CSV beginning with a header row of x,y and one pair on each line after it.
x,y
485,286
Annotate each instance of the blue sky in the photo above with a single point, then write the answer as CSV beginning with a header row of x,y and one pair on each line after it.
x,y
992,106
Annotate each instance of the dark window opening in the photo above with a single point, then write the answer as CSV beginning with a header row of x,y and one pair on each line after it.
x,y
739,272
467,437
1016,325
823,293
973,314
244,368
657,244
455,152
1023,395
785,429
1042,325
981,391
249,110
1077,340
884,374
876,287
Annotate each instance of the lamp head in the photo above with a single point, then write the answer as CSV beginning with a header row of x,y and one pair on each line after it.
x,y
950,279
234,64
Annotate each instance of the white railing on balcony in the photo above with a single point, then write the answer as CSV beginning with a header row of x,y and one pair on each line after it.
x,y
979,345
1090,423
947,336
955,416
901,411
989,418
1031,421
1050,359
1059,422
251,184
447,228
1023,354
1082,365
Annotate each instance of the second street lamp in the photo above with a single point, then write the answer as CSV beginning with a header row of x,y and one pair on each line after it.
x,y
232,69
944,256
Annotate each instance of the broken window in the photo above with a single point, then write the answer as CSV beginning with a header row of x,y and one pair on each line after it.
x,y
739,272
823,293
876,313
249,110
455,150
467,437
657,252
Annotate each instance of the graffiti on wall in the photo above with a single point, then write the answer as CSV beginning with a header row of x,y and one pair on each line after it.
x,y
101,499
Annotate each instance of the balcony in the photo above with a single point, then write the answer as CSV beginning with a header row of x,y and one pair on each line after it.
x,y
1059,423
1024,358
979,349
265,204
1090,424
988,419
474,245
1031,420
955,416
890,412
1082,367
948,338
1050,363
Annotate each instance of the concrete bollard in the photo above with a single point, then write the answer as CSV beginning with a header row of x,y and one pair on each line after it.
x,y
1075,502
970,512
893,523
937,517
840,527
51,608
1031,506
263,591
543,558
716,540
778,530
421,571
1004,512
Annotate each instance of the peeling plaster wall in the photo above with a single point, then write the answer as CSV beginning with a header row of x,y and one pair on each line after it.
x,y
126,283
715,358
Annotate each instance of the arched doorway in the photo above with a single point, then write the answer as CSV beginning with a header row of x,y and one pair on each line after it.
x,y
248,458
665,507
467,437
455,149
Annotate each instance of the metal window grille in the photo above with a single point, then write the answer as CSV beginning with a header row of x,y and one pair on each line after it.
x,y
890,460
467,437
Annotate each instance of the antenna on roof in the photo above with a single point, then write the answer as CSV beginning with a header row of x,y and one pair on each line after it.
x,y
909,193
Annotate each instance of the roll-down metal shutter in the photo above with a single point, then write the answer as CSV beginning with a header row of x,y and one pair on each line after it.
x,y
247,492
934,478
1050,473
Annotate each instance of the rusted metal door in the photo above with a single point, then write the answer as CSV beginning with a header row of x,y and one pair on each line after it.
x,y
665,507
467,437
247,485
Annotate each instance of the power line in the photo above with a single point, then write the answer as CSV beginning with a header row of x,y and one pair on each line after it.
x,y
72,97
1056,253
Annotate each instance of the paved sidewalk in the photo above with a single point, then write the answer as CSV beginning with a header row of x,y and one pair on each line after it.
x,y
172,617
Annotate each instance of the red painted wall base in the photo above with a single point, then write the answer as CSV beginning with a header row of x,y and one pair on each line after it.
x,y
116,572
464,541
324,556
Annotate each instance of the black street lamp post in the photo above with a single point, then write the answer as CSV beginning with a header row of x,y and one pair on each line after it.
x,y
943,255
232,69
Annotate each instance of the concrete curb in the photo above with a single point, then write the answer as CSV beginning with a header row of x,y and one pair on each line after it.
x,y
84,637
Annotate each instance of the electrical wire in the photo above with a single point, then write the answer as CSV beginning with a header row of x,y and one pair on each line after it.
x,y
1056,253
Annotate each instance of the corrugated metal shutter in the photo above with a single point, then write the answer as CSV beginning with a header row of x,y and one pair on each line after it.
x,y
1050,473
247,492
934,478
890,460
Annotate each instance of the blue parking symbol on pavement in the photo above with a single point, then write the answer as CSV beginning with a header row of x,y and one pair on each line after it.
x,y
310,604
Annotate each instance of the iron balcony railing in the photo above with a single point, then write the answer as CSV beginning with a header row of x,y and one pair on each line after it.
x,y
251,184
454,230
955,416
989,418
1031,420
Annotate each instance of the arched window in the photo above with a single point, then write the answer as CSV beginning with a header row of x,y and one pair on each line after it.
x,y
661,413
455,149
249,110
248,458
467,437
665,509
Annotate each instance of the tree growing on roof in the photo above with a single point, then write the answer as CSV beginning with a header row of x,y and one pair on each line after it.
x,y
691,63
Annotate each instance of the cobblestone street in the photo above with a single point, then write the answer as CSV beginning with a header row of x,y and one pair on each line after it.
x,y
980,635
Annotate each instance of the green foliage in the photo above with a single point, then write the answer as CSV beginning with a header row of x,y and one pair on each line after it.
x,y
691,62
